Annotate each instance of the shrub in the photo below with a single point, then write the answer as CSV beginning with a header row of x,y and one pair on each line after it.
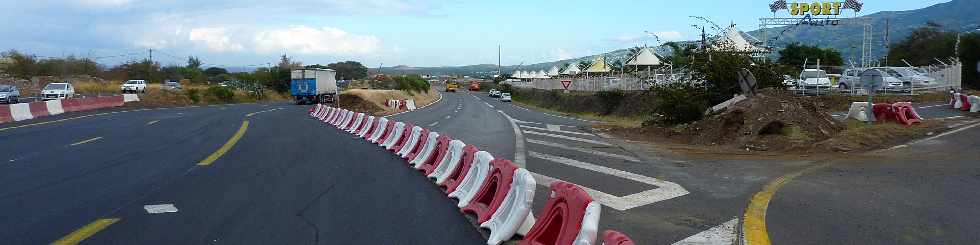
x,y
193,94
610,100
219,94
680,103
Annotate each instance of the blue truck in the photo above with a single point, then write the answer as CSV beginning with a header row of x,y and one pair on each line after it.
x,y
313,86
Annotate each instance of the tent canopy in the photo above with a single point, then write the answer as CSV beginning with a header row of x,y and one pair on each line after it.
x,y
733,39
572,69
644,58
599,66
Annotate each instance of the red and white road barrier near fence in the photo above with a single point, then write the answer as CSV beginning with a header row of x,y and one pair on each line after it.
x,y
495,190
27,111
408,105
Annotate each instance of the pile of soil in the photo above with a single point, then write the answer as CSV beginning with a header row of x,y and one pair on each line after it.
x,y
773,120
375,101
355,102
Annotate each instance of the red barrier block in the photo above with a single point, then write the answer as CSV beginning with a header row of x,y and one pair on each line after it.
x,y
389,131
469,152
884,112
905,113
492,192
418,146
373,126
71,105
39,109
406,134
611,237
562,218
966,102
429,165
5,115
364,123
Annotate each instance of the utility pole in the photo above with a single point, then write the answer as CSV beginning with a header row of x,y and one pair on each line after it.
x,y
887,36
498,60
149,65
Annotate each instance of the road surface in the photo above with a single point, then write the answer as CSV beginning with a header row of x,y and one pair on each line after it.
x,y
270,174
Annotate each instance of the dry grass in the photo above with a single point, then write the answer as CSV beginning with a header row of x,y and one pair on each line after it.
x,y
839,102
619,121
859,136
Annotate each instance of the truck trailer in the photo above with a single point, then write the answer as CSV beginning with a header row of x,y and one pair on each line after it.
x,y
313,85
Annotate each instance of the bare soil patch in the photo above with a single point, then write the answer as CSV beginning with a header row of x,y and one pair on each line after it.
x,y
375,101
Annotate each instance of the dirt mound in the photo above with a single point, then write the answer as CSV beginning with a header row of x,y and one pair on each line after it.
x,y
355,102
375,101
773,120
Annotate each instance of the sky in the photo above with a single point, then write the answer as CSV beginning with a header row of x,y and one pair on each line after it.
x,y
251,33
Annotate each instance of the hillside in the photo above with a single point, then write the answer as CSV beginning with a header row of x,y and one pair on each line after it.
x,y
956,15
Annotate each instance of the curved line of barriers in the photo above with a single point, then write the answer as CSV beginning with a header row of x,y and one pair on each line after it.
x,y
493,189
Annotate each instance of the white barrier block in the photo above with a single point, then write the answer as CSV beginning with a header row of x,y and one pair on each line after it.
x,y
54,107
474,179
974,103
382,125
340,118
327,113
336,116
410,105
21,111
367,126
427,149
357,122
346,121
859,111
396,133
413,140
448,164
590,225
515,212
959,102
130,98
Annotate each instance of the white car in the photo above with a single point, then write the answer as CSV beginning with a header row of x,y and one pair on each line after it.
x,y
134,86
505,97
852,79
911,75
814,79
57,91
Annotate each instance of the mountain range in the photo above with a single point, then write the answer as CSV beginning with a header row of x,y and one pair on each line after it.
x,y
954,16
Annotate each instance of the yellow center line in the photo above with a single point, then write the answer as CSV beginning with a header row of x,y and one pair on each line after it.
x,y
258,112
227,146
754,221
86,231
152,122
86,141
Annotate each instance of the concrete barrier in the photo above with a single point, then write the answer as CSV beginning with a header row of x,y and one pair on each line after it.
x,y
858,111
27,111
975,101
371,123
410,144
416,160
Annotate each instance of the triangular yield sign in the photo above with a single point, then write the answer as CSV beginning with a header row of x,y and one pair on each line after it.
x,y
566,83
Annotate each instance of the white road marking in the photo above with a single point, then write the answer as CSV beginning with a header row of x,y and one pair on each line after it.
x,y
488,104
937,136
924,107
433,124
553,127
519,153
588,151
447,117
550,129
721,234
952,117
568,138
160,208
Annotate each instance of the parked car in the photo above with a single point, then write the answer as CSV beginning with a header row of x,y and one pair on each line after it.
x,y
914,76
172,85
814,79
134,86
505,97
9,94
852,79
494,93
57,91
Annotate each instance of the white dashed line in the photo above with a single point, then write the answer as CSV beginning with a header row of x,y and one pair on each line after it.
x,y
568,138
583,150
160,208
433,124
550,129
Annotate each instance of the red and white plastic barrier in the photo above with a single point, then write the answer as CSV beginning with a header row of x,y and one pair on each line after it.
x,y
474,178
27,111
498,192
402,104
611,237
569,217
975,101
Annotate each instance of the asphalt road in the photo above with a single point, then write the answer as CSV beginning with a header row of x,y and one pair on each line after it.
x,y
289,180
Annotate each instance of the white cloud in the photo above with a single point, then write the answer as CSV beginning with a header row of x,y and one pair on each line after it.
x,y
669,35
215,39
105,3
309,40
560,54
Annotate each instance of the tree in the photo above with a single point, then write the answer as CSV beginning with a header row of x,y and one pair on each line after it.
x,y
795,54
21,65
349,70
193,63
922,47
